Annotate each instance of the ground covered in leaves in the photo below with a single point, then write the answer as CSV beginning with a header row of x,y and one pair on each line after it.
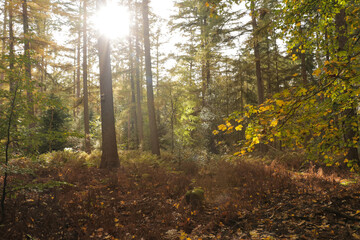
x,y
61,196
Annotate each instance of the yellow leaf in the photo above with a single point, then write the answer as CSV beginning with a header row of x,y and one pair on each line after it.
x,y
280,103
298,24
222,127
238,128
274,123
116,220
317,72
215,132
207,4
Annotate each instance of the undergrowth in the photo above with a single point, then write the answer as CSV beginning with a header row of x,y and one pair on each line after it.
x,y
63,195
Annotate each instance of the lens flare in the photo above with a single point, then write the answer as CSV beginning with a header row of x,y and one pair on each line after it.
x,y
112,21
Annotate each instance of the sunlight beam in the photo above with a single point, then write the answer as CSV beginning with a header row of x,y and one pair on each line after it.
x,y
112,21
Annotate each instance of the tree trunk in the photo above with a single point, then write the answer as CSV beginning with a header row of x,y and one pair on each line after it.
x,y
7,146
4,33
260,83
158,75
154,139
139,115
74,82
172,120
303,63
11,48
85,84
109,157
351,113
269,75
133,117
277,85
78,70
205,65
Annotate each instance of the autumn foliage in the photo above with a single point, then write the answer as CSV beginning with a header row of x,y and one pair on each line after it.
x,y
62,196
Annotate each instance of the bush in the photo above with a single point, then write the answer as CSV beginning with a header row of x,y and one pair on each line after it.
x,y
53,126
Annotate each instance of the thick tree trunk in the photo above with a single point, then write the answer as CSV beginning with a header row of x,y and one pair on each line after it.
x,y
205,65
154,138
109,157
260,83
85,83
351,114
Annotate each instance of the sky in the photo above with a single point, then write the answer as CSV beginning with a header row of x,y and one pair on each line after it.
x,y
162,7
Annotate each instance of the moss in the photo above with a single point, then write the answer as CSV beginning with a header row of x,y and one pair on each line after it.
x,y
195,197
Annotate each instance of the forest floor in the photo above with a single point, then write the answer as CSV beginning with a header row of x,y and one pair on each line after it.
x,y
67,199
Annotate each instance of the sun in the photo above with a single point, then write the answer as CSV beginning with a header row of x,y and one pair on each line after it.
x,y
112,21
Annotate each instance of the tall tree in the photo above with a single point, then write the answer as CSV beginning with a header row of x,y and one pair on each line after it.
x,y
259,80
11,46
350,134
139,115
78,61
132,129
109,157
154,138
27,59
85,82
4,33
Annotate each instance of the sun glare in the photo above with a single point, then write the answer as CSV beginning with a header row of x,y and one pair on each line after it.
x,y
112,21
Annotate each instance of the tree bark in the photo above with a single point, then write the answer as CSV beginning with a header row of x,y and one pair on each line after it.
x,y
154,138
269,75
133,133
139,115
11,48
260,83
109,157
85,83
350,114
158,117
78,67
205,65
303,63
2,74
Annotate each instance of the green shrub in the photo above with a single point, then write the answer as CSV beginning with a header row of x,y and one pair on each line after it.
x,y
53,126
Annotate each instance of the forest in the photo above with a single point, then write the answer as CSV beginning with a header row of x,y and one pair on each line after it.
x,y
179,119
